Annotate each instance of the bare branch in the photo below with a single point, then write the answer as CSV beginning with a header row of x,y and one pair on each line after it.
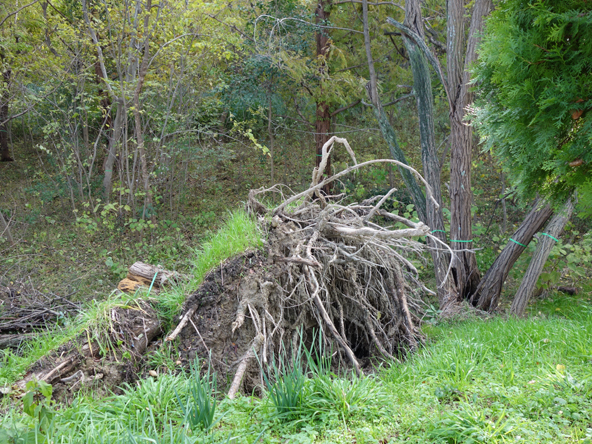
x,y
17,11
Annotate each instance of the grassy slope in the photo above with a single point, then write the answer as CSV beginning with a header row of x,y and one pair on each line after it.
x,y
237,234
476,381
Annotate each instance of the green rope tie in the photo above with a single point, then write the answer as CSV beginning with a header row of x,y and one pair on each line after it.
x,y
554,238
516,242
153,279
471,240
441,231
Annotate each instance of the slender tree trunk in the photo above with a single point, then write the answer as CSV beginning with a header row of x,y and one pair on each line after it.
x,y
270,132
323,113
113,138
486,296
461,54
544,247
5,98
422,85
504,209
148,205
388,133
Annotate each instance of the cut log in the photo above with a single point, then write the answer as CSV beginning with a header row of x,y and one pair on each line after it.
x,y
128,285
144,273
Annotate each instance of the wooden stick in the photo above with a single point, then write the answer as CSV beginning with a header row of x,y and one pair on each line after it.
x,y
182,324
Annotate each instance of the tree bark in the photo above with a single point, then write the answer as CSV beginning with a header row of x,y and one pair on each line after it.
x,y
544,247
486,295
113,138
461,53
4,100
422,85
388,133
270,132
323,113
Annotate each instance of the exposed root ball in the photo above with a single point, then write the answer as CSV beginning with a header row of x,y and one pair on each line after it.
x,y
325,267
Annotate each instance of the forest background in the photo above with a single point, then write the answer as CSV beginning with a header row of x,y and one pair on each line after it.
x,y
137,131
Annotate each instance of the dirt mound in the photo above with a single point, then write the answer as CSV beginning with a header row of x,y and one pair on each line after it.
x,y
102,357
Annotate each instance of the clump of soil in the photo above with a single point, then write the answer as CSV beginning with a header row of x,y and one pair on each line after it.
x,y
327,267
101,358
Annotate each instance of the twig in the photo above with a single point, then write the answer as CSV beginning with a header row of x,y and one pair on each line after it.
x,y
182,324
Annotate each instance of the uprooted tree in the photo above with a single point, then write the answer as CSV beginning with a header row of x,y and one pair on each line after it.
x,y
343,270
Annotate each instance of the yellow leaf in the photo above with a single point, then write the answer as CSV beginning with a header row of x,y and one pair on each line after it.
x,y
560,367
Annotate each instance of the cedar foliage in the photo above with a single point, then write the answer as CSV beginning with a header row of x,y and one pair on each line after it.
x,y
535,77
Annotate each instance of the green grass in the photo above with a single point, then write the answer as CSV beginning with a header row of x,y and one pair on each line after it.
x,y
495,381
238,234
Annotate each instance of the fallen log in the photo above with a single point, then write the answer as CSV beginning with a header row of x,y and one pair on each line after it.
x,y
141,275
145,273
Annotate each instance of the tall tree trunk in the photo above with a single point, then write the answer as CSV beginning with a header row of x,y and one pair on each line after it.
x,y
113,138
422,85
461,54
486,295
5,98
544,247
121,109
388,133
323,113
270,132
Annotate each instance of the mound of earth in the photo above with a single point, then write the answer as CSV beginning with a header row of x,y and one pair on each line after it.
x,y
101,358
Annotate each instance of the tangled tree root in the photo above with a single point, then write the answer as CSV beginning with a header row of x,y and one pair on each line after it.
x,y
327,266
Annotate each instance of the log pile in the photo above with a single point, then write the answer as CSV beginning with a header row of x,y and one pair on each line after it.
x,y
25,311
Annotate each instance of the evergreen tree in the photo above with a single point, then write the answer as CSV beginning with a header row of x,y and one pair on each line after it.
x,y
535,77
